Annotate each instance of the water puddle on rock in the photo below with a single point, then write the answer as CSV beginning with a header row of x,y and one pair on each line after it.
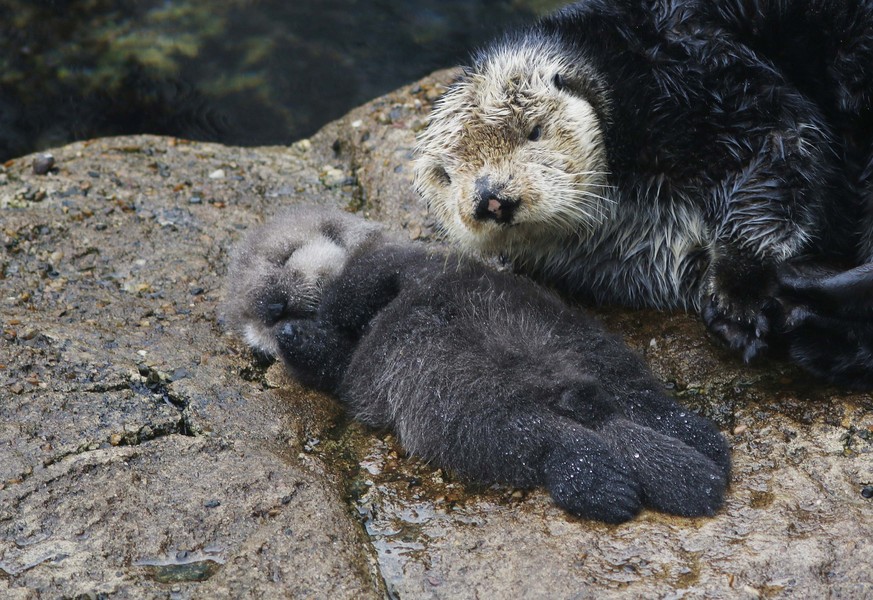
x,y
181,566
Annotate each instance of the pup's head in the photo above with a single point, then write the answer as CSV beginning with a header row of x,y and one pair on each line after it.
x,y
280,269
514,151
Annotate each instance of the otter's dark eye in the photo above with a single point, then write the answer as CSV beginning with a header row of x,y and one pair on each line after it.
x,y
535,133
559,82
441,175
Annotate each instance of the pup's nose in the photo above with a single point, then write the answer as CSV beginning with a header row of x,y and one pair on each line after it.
x,y
493,203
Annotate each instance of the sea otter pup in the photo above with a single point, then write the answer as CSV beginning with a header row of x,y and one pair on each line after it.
x,y
664,153
477,371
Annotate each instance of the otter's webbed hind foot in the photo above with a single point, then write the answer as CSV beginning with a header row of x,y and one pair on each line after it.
x,y
526,444
673,477
587,480
647,406
823,290
661,414
838,351
652,452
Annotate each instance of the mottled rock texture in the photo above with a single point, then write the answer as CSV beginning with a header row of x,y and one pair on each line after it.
x,y
146,454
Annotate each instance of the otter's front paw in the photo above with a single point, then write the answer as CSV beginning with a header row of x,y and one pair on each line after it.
x,y
742,330
736,300
301,339
314,351
593,485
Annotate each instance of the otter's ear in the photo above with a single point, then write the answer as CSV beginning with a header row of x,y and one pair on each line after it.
x,y
588,88
567,82
461,78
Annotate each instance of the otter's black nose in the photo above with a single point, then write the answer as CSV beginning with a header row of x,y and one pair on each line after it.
x,y
492,202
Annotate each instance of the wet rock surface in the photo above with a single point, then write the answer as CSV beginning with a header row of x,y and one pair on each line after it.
x,y
144,453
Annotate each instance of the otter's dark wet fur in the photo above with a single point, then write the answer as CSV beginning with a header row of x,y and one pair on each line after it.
x,y
725,138
824,320
477,371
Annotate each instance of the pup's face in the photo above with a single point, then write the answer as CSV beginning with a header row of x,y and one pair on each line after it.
x,y
514,153
280,270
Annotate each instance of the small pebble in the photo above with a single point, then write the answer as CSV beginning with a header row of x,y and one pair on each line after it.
x,y
180,373
396,113
332,177
302,146
867,491
217,174
212,504
417,124
43,163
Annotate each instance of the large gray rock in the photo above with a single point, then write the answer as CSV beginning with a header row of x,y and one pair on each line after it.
x,y
144,453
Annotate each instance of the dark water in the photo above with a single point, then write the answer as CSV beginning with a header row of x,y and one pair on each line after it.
x,y
244,72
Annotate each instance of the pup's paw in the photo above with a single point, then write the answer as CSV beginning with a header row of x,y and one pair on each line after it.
x,y
314,352
305,340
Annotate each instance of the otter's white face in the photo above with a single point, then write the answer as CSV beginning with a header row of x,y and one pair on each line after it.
x,y
513,157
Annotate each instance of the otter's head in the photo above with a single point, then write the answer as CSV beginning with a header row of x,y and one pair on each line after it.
x,y
514,154
279,270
